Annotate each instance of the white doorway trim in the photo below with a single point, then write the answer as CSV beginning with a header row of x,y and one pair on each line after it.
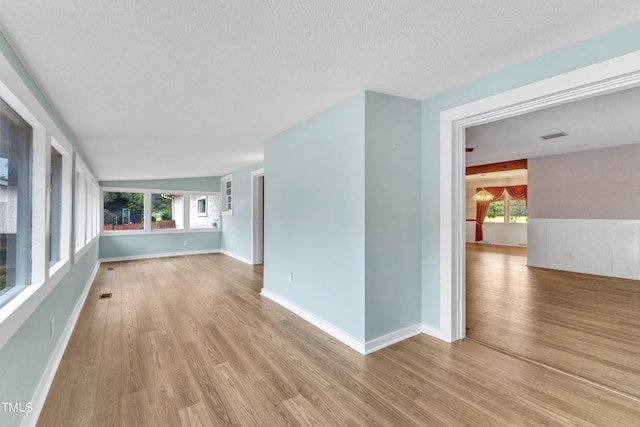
x,y
608,76
257,217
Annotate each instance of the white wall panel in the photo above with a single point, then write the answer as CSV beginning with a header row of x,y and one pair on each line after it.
x,y
556,245
592,246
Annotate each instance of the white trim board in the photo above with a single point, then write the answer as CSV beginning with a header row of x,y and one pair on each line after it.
x,y
316,321
392,338
236,256
433,332
363,348
40,395
604,77
160,255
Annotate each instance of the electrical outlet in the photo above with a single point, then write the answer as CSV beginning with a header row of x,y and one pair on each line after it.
x,y
185,243
52,328
290,277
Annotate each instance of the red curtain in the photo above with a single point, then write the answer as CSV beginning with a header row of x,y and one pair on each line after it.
x,y
483,207
518,192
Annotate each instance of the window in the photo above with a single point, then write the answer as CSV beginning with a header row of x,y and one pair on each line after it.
x,y
59,219
123,211
55,201
202,206
157,211
81,210
516,210
15,203
227,195
167,211
204,211
496,211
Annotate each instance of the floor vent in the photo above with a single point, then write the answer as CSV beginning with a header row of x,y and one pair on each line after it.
x,y
103,296
109,268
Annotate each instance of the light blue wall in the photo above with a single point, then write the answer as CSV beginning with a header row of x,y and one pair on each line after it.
x,y
143,245
236,228
314,215
609,45
156,244
392,214
25,356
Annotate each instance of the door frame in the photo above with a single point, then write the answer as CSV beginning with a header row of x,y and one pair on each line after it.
x,y
608,76
257,218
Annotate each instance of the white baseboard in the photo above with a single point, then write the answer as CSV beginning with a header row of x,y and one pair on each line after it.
x,y
40,395
392,338
433,332
342,336
160,255
236,256
337,333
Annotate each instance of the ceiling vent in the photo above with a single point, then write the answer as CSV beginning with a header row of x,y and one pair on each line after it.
x,y
554,135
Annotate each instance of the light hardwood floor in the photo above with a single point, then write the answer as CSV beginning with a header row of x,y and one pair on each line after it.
x,y
190,341
586,325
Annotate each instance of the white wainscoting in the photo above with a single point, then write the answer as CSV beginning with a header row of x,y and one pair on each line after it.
x,y
595,246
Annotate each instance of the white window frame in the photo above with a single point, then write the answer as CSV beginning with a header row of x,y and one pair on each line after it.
x,y
86,207
81,208
44,134
173,193
147,211
65,150
16,311
226,200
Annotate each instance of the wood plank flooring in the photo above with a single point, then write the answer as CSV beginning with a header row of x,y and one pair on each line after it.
x,y
586,325
189,341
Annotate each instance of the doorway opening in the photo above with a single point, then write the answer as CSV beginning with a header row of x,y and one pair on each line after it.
x,y
598,79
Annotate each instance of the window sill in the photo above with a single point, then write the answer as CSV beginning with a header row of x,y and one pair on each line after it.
x,y
57,267
107,233
16,311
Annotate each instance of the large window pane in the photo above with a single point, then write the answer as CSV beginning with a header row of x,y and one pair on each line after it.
x,y
167,211
518,211
204,211
81,210
15,203
496,211
55,217
123,211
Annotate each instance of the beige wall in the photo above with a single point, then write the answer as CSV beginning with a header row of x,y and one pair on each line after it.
x,y
594,184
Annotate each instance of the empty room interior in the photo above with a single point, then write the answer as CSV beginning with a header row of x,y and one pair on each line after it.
x,y
319,213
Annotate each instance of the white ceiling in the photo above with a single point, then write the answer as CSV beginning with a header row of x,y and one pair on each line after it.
x,y
165,88
520,174
598,122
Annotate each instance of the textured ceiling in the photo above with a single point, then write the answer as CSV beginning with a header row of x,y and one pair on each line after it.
x,y
598,122
164,88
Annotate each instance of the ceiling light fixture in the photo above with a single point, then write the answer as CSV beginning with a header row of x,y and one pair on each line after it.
x,y
483,196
